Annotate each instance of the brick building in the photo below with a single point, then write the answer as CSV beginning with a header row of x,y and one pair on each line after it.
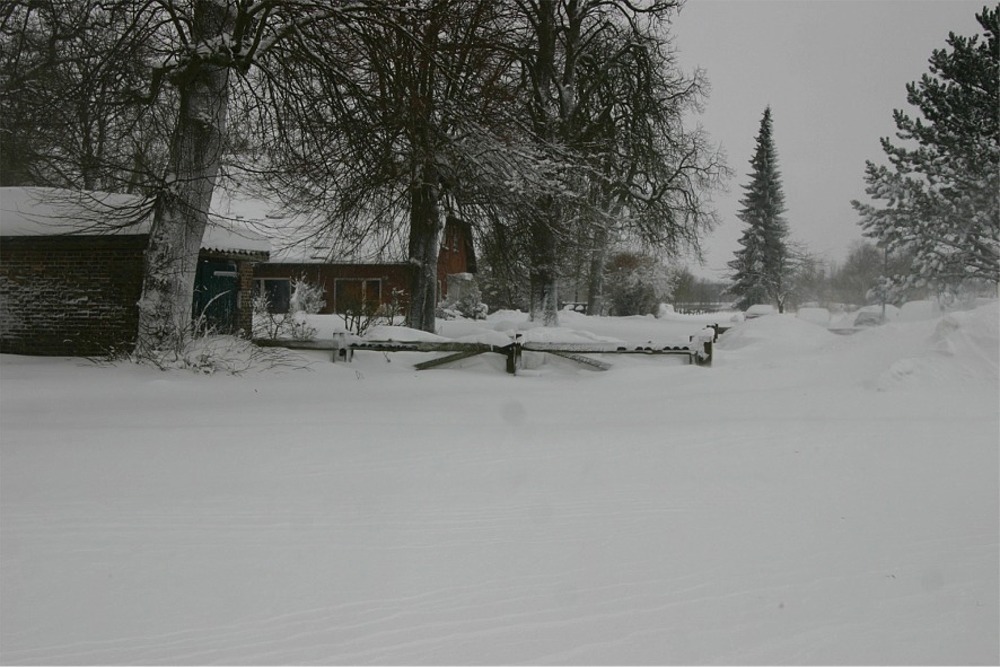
x,y
71,268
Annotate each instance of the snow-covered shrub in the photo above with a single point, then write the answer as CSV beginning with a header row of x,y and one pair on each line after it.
x,y
664,310
636,283
306,297
266,324
469,300
360,317
299,327
393,310
208,354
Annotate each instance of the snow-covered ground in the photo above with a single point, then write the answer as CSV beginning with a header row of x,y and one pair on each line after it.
x,y
811,498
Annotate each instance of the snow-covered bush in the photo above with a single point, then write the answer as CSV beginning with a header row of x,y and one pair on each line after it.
x,y
360,317
306,299
636,283
470,302
208,354
266,324
664,310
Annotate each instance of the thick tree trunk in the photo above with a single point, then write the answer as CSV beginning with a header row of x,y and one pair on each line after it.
x,y
426,224
595,277
544,251
181,210
544,272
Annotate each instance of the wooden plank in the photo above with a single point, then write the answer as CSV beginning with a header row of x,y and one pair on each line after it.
x,y
580,359
296,344
440,361
609,348
579,348
380,346
423,346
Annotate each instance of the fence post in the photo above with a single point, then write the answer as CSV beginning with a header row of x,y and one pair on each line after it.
x,y
707,359
342,348
706,337
514,355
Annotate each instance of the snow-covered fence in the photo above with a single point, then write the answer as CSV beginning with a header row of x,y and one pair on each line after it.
x,y
698,351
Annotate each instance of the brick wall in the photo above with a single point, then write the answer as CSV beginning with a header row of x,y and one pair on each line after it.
x,y
69,295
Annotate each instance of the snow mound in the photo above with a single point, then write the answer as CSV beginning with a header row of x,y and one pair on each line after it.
x,y
819,316
963,347
508,321
916,311
875,315
760,310
565,335
486,337
396,334
972,338
780,333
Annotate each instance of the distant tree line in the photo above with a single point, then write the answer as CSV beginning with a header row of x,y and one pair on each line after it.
x,y
937,230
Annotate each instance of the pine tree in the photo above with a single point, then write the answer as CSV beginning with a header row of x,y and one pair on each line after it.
x,y
761,267
942,198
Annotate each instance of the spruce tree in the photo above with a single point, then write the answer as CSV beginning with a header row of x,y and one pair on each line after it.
x,y
761,267
941,201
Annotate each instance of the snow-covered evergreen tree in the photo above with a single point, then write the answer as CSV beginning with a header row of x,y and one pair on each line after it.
x,y
761,266
942,198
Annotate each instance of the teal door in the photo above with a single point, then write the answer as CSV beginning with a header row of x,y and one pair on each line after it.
x,y
216,288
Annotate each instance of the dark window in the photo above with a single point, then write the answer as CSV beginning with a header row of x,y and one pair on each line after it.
x,y
373,292
357,295
278,292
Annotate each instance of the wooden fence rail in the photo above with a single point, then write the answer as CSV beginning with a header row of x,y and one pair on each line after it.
x,y
698,351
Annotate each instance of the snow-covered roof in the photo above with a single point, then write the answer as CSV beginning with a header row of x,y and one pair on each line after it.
x,y
299,237
52,211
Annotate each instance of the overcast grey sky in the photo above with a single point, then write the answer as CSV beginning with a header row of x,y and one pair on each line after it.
x,y
832,71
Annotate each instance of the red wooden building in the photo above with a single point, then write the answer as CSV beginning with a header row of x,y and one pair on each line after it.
x,y
365,285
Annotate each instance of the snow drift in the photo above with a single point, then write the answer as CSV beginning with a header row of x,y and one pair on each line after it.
x,y
805,500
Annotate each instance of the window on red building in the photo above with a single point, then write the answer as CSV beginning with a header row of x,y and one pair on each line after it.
x,y
357,295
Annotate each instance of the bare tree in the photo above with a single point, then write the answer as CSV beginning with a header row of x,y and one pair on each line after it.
x,y
412,139
67,118
651,176
197,49
604,101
